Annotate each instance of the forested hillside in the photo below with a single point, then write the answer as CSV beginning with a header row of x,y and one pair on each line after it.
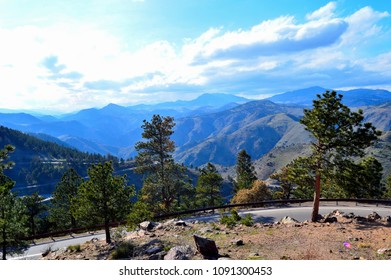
x,y
40,164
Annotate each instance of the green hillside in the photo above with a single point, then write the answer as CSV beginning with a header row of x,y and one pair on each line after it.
x,y
40,164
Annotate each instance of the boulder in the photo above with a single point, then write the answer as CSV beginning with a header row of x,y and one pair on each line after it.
x,y
373,217
288,220
148,226
179,253
237,242
384,251
207,247
330,219
154,249
349,216
386,220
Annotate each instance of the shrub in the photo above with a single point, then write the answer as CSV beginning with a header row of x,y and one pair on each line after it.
x,y
258,192
123,251
247,220
140,213
74,248
230,220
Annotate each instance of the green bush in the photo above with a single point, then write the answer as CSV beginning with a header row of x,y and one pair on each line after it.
x,y
230,220
124,250
247,220
74,248
140,213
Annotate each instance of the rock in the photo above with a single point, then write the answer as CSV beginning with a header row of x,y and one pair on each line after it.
x,y
373,217
180,223
179,253
360,219
206,230
384,251
330,219
386,220
288,220
157,257
207,247
154,250
148,226
337,213
237,242
349,216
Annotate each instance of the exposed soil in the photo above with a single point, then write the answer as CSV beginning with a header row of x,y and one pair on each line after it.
x,y
346,238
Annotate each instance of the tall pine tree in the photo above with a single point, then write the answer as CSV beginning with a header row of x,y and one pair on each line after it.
x,y
338,133
61,212
104,198
165,181
245,173
209,185
12,211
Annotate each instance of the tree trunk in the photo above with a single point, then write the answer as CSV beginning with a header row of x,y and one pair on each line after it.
x,y
315,208
4,245
107,231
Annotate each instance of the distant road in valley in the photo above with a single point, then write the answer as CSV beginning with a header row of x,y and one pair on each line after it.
x,y
263,215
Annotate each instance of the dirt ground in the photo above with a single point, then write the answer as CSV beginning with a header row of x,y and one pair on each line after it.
x,y
347,238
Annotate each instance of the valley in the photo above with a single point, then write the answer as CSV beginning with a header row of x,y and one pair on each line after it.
x,y
212,128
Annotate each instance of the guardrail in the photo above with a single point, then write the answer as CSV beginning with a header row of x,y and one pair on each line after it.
x,y
263,203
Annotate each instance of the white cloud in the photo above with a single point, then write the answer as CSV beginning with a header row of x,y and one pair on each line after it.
x,y
362,24
325,12
87,66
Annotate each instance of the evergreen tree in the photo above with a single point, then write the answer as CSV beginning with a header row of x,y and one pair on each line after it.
x,y
338,132
104,198
209,185
387,189
285,181
164,181
61,212
12,210
245,173
362,180
35,208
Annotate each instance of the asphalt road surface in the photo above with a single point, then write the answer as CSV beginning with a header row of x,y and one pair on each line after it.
x,y
263,215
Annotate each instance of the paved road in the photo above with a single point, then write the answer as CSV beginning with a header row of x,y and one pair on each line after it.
x,y
299,213
35,251
259,215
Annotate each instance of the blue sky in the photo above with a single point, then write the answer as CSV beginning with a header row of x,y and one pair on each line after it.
x,y
62,56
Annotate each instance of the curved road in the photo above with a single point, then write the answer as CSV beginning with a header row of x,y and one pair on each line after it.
x,y
270,215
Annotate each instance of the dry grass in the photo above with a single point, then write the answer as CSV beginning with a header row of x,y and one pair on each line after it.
x,y
307,241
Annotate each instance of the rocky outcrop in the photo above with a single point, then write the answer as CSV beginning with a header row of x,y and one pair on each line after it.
x,y
288,220
207,247
179,253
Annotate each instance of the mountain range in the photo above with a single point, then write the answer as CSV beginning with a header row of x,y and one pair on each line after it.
x,y
211,128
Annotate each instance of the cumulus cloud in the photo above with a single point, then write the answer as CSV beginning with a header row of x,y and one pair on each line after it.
x,y
325,12
274,38
71,66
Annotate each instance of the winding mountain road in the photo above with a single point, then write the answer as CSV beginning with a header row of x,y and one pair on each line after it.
x,y
263,215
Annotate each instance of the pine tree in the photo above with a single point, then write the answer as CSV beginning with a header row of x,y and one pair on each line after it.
x,y
35,208
61,212
12,211
245,173
165,181
338,133
104,198
209,185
